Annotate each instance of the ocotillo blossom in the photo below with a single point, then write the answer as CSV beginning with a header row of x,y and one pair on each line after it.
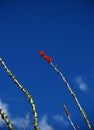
x,y
68,116
43,55
66,111
69,88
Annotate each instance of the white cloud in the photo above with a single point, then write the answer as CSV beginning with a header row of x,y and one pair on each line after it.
x,y
43,124
81,84
17,122
60,119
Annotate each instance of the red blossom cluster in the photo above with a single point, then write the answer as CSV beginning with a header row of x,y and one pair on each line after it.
x,y
43,55
65,108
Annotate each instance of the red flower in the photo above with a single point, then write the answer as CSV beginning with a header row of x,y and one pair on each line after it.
x,y
43,55
48,59
65,108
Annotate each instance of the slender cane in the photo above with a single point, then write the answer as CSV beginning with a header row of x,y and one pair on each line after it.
x,y
5,118
26,121
49,60
68,116
29,97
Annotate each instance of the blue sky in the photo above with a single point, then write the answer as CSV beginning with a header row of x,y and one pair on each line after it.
x,y
64,30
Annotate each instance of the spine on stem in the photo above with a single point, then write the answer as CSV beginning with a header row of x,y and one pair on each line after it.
x,y
7,121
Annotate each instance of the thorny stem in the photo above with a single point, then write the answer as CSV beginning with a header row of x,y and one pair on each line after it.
x,y
71,122
73,94
29,97
68,116
7,121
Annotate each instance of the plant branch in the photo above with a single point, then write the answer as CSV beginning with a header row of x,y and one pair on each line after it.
x,y
7,121
74,96
27,94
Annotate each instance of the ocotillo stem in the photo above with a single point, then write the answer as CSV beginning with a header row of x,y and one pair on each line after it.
x,y
7,121
29,97
73,94
71,122
26,121
68,115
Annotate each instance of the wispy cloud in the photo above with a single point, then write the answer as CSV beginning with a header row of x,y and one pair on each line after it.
x,y
43,124
18,122
81,84
60,119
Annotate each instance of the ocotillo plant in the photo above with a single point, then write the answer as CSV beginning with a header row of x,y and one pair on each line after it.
x,y
27,94
26,121
68,116
7,121
49,60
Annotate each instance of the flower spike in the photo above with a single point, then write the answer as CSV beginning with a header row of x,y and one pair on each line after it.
x,y
68,116
43,55
69,88
65,108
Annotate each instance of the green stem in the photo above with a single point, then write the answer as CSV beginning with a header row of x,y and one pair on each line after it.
x,y
7,121
29,97
74,96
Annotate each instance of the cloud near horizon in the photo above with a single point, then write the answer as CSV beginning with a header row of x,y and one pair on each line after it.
x,y
60,119
43,124
14,121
